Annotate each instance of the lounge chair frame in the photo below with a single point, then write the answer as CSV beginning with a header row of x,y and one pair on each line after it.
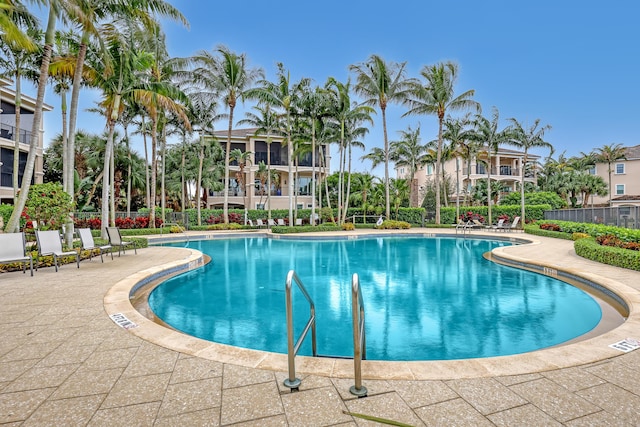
x,y
115,239
13,248
50,243
86,240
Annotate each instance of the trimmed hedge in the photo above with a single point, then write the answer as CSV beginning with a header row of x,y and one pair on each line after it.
x,y
305,229
590,249
536,230
596,230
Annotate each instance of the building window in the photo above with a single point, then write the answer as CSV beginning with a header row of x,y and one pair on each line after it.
x,y
429,170
299,206
619,168
619,189
260,206
592,170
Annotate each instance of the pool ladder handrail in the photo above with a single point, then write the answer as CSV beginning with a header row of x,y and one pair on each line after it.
x,y
359,336
292,382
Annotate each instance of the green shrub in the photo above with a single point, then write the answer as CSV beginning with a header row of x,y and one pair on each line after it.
x,y
537,231
590,249
596,230
578,236
348,226
305,229
538,198
390,224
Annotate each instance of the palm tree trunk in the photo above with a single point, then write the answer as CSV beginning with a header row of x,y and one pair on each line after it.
x,y
386,164
225,208
290,154
313,168
112,185
268,176
146,165
154,169
13,224
106,177
438,166
346,199
16,135
199,182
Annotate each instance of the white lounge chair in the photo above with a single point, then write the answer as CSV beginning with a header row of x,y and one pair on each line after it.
x,y
250,222
49,243
115,239
13,248
88,244
514,224
281,222
497,226
271,223
260,223
298,221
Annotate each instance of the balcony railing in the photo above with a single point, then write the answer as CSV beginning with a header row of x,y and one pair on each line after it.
x,y
497,171
8,131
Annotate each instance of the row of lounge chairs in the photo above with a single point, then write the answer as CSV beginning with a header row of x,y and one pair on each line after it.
x,y
272,223
13,247
501,225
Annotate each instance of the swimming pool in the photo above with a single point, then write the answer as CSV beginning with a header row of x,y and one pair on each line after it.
x,y
425,298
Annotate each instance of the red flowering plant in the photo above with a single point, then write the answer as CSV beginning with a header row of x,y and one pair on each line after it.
x,y
470,216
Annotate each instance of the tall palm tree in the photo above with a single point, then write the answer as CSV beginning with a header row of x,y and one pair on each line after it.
x,y
435,97
17,62
609,154
460,134
409,152
266,123
349,117
314,106
526,139
486,132
232,78
284,96
54,8
380,83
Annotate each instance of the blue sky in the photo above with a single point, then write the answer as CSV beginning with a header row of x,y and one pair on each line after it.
x,y
573,65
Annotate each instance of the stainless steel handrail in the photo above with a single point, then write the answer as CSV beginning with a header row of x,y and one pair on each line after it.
x,y
359,339
292,382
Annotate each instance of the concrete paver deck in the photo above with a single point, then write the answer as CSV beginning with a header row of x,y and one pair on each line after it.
x,y
64,362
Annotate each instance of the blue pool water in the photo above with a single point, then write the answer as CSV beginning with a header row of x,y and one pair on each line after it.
x,y
425,298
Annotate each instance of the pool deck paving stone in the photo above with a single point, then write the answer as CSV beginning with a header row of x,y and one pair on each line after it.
x,y
64,362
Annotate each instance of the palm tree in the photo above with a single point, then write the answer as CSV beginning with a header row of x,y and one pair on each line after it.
x,y
13,15
284,96
436,96
380,83
230,76
54,7
349,117
609,154
365,183
460,134
410,153
314,106
526,139
18,62
266,122
486,132
244,159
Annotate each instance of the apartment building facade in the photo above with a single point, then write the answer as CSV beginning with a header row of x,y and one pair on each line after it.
x,y
625,180
8,132
255,194
505,168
